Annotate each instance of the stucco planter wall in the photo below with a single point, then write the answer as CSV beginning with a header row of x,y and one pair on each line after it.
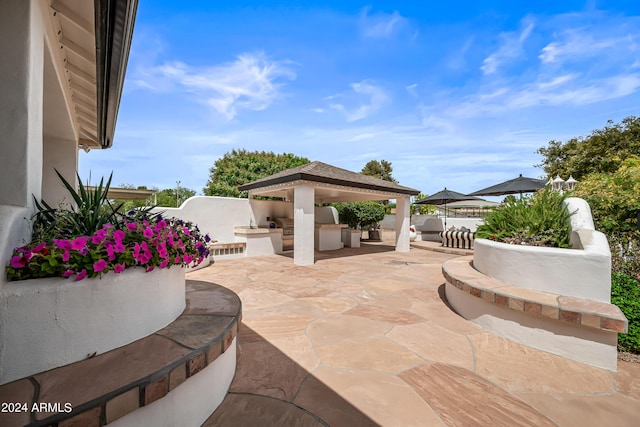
x,y
583,271
46,323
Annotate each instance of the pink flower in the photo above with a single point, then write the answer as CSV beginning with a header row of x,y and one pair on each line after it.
x,y
186,231
18,261
118,235
149,269
99,265
81,275
118,268
111,253
79,243
107,226
132,226
119,248
162,224
177,260
63,244
99,237
39,248
68,273
147,233
136,251
66,255
187,258
164,263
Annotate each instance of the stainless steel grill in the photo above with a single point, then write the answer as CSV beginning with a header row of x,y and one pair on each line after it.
x,y
287,232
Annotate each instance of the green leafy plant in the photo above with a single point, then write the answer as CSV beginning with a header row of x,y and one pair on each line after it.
x,y
91,211
541,220
625,293
362,215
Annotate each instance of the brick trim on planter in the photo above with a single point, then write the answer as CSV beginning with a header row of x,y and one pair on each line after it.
x,y
460,273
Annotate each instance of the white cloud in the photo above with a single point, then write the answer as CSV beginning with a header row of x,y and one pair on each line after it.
x,y
564,90
579,44
375,97
251,82
412,90
381,25
510,48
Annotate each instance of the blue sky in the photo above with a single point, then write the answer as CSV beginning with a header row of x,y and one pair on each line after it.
x,y
456,94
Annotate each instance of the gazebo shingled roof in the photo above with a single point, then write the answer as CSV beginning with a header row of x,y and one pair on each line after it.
x,y
324,173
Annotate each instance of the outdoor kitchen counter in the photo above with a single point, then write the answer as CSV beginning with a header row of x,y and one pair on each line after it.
x,y
259,241
328,237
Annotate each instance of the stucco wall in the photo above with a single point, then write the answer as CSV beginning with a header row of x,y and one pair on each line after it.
x,y
46,323
62,155
219,215
21,105
592,346
581,273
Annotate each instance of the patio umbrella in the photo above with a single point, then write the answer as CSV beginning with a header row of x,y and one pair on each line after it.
x,y
442,198
518,185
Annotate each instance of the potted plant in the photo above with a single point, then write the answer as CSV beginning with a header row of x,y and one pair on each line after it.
x,y
362,215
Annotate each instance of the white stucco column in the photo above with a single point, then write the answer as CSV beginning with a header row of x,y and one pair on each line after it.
x,y
21,78
402,223
60,154
304,224
21,105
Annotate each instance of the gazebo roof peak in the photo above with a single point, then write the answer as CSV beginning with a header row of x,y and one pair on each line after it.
x,y
324,173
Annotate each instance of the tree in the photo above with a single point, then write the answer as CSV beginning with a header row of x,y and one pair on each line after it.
x,y
601,152
362,215
614,198
379,169
169,198
422,209
242,167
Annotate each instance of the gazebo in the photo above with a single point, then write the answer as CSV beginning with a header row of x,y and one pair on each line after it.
x,y
318,182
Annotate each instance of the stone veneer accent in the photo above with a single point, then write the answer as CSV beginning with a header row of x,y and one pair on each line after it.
x,y
460,273
108,386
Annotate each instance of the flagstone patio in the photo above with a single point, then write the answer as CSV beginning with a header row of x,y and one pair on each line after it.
x,y
365,337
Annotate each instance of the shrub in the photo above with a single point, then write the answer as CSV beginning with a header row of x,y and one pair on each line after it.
x,y
625,253
362,215
541,220
625,293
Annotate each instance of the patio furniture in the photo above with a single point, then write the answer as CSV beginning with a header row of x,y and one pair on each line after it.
x,y
462,239
430,228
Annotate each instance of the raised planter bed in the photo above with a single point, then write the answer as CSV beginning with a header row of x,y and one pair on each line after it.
x,y
175,376
556,300
47,323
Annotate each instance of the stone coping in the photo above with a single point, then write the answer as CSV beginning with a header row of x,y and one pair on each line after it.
x,y
236,245
437,247
243,229
460,273
103,388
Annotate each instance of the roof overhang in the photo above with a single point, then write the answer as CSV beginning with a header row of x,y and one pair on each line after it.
x,y
324,192
89,44
326,180
126,193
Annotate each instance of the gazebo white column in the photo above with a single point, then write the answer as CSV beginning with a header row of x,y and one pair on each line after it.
x,y
304,224
402,223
